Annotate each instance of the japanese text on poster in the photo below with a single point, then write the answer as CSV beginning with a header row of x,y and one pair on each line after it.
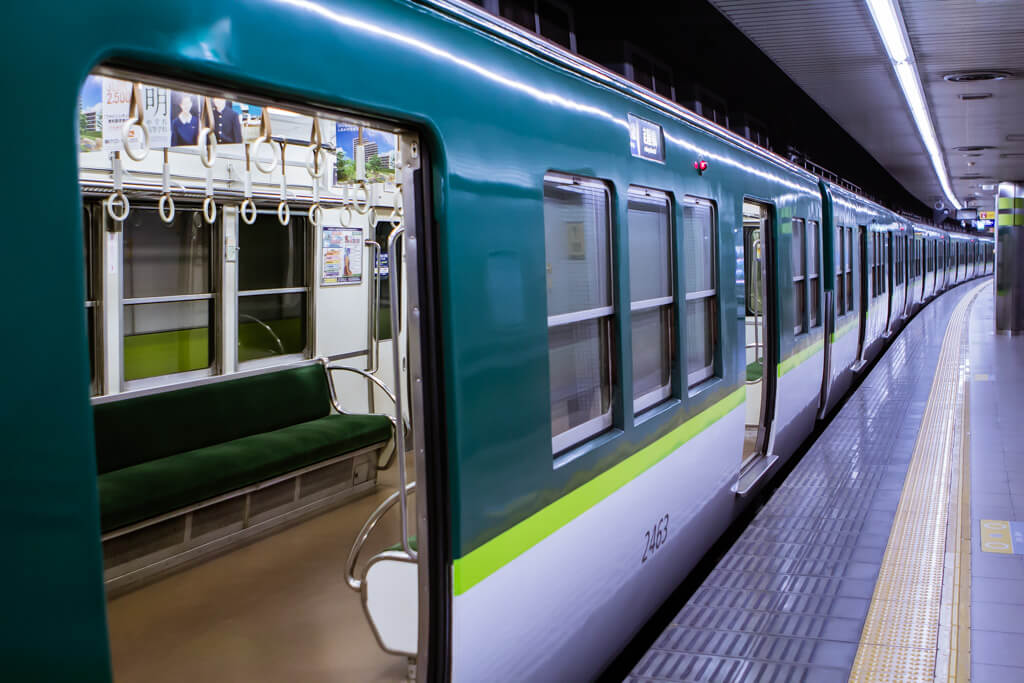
x,y
342,256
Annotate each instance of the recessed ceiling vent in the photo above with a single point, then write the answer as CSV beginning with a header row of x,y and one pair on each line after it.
x,y
973,176
973,148
1015,137
973,76
973,96
1012,155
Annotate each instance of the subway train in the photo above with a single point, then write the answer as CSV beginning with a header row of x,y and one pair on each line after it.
x,y
538,333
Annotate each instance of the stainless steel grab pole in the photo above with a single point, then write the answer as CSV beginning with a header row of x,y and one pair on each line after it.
x,y
394,268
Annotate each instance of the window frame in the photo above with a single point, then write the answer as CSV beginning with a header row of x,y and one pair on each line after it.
x,y
310,238
813,278
840,284
656,397
579,435
214,296
850,299
707,373
800,318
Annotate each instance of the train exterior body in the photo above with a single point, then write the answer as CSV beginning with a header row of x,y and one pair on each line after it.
x,y
546,566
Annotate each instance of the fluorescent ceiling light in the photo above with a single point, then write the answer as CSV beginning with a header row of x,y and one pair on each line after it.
x,y
889,22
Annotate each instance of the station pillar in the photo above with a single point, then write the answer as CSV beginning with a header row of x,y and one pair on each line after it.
x,y
1009,280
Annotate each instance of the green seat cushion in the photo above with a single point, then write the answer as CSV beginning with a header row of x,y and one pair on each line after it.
x,y
156,487
135,430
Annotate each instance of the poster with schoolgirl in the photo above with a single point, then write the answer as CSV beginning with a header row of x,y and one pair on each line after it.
x,y
173,118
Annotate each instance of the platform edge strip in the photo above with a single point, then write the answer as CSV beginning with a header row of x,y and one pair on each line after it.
x,y
901,639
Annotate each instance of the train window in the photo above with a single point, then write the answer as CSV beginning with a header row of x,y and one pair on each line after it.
x,y
577,225
813,271
168,294
841,273
849,269
273,287
897,258
701,290
798,259
652,304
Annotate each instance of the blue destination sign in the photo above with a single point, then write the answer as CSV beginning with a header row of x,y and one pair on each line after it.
x,y
646,139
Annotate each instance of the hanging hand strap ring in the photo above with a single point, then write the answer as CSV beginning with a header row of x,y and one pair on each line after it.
x,y
136,119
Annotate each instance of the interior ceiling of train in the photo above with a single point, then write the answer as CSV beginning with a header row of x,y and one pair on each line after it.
x,y
833,51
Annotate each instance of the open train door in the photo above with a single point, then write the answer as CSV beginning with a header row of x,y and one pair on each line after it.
x,y
761,334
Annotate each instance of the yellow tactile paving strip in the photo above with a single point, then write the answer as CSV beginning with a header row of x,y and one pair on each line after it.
x,y
917,627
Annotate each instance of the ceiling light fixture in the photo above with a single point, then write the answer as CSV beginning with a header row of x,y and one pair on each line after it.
x,y
889,22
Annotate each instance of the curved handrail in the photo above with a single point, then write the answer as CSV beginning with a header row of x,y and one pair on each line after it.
x,y
364,533
328,367
268,328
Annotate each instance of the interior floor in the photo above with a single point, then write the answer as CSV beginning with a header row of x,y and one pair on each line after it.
x,y
276,610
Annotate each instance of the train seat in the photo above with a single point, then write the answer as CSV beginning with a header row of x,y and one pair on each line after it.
x,y
167,451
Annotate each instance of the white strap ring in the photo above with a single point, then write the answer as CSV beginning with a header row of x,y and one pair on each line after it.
x,y
316,214
248,211
275,154
166,208
118,198
345,216
143,148
284,214
316,153
207,143
361,206
209,210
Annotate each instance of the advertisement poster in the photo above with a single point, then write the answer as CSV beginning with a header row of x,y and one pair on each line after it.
x,y
378,146
342,259
105,103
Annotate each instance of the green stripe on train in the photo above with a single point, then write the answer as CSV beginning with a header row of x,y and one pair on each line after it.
x,y
841,332
483,561
800,356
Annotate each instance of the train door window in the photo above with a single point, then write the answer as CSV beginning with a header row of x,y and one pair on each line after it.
x,y
898,274
841,272
273,288
577,225
813,271
874,265
168,294
798,259
884,266
701,290
652,304
849,269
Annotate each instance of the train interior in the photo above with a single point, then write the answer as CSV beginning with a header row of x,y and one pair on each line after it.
x,y
246,298
760,351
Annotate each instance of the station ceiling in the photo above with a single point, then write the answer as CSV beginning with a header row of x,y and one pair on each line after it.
x,y
831,49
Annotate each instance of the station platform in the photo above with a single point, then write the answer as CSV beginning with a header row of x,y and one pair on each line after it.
x,y
891,551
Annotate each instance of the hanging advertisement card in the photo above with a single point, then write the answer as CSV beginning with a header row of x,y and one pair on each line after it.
x,y
114,106
342,256
117,97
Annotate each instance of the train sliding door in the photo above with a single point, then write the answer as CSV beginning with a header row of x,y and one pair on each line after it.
x,y
865,268
761,340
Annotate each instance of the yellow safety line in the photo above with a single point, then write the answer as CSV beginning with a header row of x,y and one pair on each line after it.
x,y
902,639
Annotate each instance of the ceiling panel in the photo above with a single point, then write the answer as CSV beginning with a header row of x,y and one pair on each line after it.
x,y
830,48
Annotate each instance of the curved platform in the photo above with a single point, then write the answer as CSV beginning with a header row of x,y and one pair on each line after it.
x,y
860,566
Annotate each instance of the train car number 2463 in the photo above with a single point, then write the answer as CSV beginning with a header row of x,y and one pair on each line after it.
x,y
655,538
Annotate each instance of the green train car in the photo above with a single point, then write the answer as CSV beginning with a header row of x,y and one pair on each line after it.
x,y
396,264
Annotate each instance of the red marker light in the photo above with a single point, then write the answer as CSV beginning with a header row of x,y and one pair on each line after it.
x,y
700,166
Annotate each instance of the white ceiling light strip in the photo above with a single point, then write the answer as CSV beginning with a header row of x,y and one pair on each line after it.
x,y
889,22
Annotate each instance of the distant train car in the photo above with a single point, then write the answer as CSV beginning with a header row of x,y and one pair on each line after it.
x,y
543,330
